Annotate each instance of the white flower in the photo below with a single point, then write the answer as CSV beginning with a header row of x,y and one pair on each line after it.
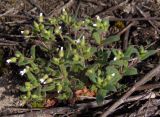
x,y
83,37
8,61
58,91
61,48
59,27
98,18
78,41
95,25
23,72
41,14
113,74
115,59
22,32
63,10
44,82
41,80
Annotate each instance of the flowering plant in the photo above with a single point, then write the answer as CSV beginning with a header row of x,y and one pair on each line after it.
x,y
68,55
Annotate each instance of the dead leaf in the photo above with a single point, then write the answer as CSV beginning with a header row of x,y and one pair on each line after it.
x,y
50,103
85,92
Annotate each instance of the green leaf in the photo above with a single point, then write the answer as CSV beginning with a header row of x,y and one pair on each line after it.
x,y
96,36
53,21
130,50
112,70
69,39
103,54
55,61
36,104
38,92
18,54
93,50
32,78
21,60
92,75
110,87
111,39
63,70
130,71
119,63
28,86
24,62
23,89
49,88
115,52
63,96
147,54
76,67
41,26
77,84
34,66
46,34
100,95
89,52
33,52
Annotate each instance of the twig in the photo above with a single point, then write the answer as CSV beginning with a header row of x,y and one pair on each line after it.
x,y
33,3
86,98
141,97
103,12
7,12
18,16
151,44
78,107
143,14
146,78
153,110
7,44
107,18
132,19
77,9
37,113
126,28
7,41
15,22
125,41
149,86
16,36
58,11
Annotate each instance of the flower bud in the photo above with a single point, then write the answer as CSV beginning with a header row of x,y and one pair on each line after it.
x,y
42,80
61,52
12,60
59,87
58,30
36,26
55,60
83,41
49,80
98,18
41,18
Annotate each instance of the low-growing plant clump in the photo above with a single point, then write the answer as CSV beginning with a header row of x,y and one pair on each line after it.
x,y
68,55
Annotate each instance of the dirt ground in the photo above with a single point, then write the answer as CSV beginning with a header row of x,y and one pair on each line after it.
x,y
18,14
